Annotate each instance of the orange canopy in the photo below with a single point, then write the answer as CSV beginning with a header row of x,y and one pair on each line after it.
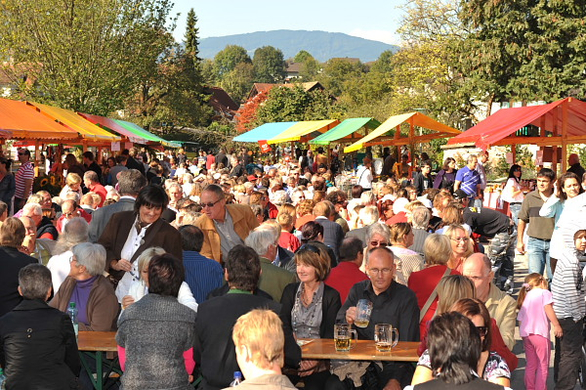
x,y
17,120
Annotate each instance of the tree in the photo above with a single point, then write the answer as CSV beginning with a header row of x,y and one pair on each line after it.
x,y
302,56
339,71
192,36
80,54
285,104
246,114
238,81
269,65
227,59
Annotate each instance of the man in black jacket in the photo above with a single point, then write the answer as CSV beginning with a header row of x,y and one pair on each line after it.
x,y
214,349
38,349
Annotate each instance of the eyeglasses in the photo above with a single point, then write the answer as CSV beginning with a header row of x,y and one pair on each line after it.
x,y
21,153
210,204
376,271
379,243
459,239
482,330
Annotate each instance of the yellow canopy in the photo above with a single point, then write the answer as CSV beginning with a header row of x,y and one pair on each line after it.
x,y
377,136
302,131
85,128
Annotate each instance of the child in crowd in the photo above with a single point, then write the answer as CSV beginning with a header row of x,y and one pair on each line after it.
x,y
535,306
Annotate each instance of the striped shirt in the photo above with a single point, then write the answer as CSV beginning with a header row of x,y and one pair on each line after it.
x,y
567,287
25,172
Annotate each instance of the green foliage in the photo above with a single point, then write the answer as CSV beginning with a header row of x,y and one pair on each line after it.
x,y
84,55
269,65
524,158
338,72
294,104
192,36
525,49
302,56
226,60
238,81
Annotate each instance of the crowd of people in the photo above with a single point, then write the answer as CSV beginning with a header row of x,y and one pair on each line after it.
x,y
209,266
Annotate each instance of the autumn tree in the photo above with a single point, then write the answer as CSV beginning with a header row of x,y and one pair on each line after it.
x,y
269,65
81,54
246,114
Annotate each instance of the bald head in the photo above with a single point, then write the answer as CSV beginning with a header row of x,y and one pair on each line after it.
x,y
478,268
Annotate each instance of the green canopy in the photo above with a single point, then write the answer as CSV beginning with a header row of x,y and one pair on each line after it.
x,y
344,132
139,131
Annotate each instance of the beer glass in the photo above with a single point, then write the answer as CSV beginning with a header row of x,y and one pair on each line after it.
x,y
386,337
343,335
363,308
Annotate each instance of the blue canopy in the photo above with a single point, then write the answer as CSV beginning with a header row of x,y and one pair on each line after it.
x,y
264,132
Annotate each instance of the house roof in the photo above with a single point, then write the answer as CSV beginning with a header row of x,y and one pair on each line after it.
x,y
294,67
221,102
265,87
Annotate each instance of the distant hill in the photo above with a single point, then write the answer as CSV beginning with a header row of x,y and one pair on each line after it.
x,y
322,45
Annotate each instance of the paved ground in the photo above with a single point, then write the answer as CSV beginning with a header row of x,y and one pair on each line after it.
x,y
518,375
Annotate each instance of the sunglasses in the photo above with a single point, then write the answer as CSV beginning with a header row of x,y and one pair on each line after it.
x,y
211,204
309,247
482,330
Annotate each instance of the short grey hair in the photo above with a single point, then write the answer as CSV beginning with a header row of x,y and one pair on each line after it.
x,y
75,232
131,181
260,240
145,257
369,215
91,256
33,208
34,281
378,228
420,217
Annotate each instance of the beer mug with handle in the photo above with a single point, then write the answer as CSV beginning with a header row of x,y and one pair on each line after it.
x,y
386,337
343,335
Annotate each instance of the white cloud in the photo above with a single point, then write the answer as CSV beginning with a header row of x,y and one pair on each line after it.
x,y
377,35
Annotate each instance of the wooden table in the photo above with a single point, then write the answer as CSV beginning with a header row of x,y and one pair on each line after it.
x,y
95,344
405,351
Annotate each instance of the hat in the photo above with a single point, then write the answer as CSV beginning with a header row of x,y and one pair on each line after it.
x,y
251,178
426,202
459,195
399,205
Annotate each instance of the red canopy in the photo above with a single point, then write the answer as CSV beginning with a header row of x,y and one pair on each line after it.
x,y
564,119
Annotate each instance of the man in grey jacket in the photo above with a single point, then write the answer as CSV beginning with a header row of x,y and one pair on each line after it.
x,y
130,183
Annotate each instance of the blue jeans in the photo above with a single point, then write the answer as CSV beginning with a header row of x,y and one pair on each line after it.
x,y
538,256
515,208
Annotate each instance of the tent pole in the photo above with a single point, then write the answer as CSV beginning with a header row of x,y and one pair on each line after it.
x,y
565,136
554,163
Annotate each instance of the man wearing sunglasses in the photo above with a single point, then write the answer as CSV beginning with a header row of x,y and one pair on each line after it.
x,y
223,226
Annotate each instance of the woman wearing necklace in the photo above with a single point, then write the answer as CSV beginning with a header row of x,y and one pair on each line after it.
x,y
462,246
7,185
309,309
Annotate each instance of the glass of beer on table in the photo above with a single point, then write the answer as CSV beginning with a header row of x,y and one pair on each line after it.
x,y
385,336
343,335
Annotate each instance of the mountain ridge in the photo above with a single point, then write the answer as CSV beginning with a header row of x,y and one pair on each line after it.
x,y
322,45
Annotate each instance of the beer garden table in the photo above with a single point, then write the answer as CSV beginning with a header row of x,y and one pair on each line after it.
x,y
96,345
404,351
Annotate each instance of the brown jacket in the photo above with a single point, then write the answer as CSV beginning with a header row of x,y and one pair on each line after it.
x,y
102,305
160,233
244,222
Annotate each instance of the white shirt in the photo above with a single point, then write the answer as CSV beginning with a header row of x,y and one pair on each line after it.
x,y
60,268
364,177
133,242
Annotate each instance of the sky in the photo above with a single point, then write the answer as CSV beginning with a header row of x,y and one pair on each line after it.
x,y
371,19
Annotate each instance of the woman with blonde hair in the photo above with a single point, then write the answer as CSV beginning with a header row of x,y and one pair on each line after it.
x,y
438,250
72,184
462,246
406,260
